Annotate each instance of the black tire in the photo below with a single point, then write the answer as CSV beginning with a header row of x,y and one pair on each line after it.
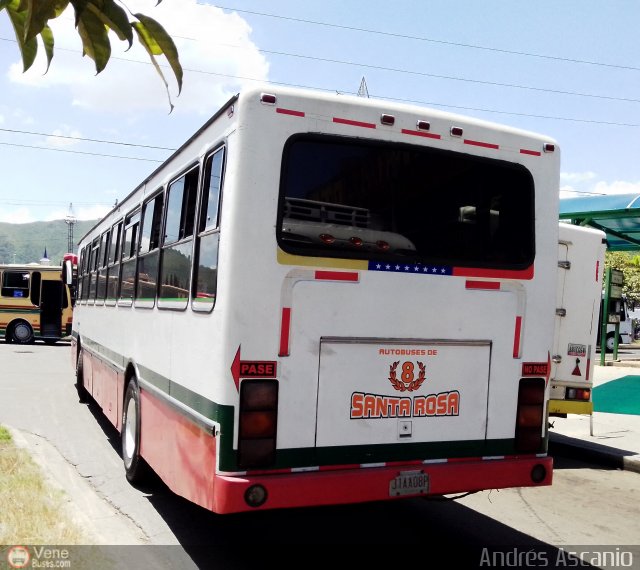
x,y
610,342
83,395
21,332
135,467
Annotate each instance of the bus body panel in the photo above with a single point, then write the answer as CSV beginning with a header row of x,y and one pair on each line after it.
x,y
322,322
581,254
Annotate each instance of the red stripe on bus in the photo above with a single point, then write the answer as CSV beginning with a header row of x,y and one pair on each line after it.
x,y
420,134
354,123
493,285
285,325
597,269
494,273
516,337
531,152
289,112
336,276
482,144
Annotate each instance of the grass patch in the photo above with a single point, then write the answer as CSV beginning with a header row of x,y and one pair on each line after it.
x,y
4,434
32,512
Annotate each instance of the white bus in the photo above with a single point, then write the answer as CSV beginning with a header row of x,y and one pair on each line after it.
x,y
579,288
324,299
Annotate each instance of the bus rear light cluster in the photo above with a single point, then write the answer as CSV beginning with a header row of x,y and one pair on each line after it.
x,y
456,131
578,394
327,238
530,415
258,423
356,241
549,147
387,119
423,125
268,98
382,245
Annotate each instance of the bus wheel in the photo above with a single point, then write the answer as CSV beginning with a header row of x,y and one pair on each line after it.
x,y
83,395
135,467
21,332
610,342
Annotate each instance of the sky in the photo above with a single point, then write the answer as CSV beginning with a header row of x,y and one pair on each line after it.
x,y
568,69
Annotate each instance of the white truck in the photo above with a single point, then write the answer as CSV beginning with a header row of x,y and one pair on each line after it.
x,y
579,288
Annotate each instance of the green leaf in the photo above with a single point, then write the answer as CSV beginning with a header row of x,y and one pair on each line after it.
x,y
95,39
144,40
47,39
79,7
115,18
163,40
28,48
38,14
4,4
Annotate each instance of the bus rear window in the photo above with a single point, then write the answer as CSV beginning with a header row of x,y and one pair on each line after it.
x,y
350,198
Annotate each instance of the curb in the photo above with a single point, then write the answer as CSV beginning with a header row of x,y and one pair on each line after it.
x,y
594,452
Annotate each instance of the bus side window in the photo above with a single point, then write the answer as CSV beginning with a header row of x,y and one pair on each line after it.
x,y
35,288
113,264
102,266
206,257
80,275
129,247
177,250
15,284
93,267
149,253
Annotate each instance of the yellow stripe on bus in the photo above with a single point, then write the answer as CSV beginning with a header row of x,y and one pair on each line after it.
x,y
570,407
289,259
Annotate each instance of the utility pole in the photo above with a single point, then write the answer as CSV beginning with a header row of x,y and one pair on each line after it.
x,y
70,220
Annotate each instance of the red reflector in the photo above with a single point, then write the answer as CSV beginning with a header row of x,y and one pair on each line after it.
x,y
259,396
327,238
456,131
548,147
529,416
257,424
356,241
268,98
583,394
387,119
423,125
531,393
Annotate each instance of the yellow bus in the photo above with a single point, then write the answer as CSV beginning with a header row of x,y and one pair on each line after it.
x,y
35,303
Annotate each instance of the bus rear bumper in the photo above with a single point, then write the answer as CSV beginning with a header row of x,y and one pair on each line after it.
x,y
362,484
570,407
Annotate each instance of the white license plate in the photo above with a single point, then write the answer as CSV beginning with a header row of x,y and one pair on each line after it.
x,y
409,483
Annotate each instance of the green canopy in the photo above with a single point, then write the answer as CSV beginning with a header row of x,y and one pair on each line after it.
x,y
618,215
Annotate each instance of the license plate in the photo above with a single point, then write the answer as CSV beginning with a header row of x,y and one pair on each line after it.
x,y
409,483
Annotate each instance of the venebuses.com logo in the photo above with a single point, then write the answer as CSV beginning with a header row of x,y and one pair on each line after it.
x,y
18,557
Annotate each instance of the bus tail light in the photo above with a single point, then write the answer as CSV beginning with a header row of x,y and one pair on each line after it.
x,y
258,423
583,394
530,415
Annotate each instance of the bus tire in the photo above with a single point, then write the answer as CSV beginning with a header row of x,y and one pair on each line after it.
x,y
21,332
83,395
610,342
135,466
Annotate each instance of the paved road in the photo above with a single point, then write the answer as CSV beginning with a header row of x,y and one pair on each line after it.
x,y
587,505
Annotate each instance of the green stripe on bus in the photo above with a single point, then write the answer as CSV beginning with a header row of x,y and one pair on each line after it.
x,y
223,415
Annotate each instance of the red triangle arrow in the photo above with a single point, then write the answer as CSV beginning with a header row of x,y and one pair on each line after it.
x,y
235,369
